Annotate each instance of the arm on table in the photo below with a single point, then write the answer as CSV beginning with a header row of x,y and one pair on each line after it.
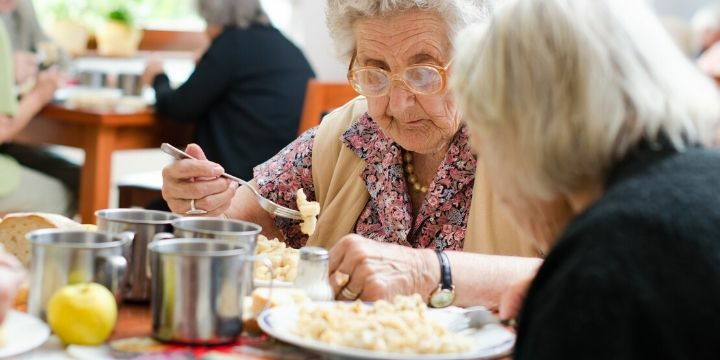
x,y
30,105
381,271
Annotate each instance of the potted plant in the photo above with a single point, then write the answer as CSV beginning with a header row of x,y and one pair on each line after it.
x,y
66,28
118,35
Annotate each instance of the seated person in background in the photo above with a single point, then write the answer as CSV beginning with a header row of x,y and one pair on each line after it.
x,y
246,94
589,101
22,188
11,277
25,34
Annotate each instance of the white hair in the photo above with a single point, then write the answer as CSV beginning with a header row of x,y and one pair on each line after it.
x,y
707,18
566,95
233,13
342,14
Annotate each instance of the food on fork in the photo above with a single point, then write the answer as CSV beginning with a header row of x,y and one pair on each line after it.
x,y
14,227
398,327
309,211
284,260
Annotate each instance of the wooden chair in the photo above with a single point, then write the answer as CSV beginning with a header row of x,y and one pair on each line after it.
x,y
162,40
320,99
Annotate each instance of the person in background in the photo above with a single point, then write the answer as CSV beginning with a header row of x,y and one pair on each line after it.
x,y
25,33
590,102
246,94
22,188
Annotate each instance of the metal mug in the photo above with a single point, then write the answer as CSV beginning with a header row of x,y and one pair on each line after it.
x,y
63,257
144,224
130,84
197,290
242,232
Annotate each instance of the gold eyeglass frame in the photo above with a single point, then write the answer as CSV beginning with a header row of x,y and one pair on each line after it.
x,y
442,70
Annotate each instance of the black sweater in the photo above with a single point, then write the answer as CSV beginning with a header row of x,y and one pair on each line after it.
x,y
637,275
245,97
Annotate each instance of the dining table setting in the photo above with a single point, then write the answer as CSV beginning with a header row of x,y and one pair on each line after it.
x,y
147,284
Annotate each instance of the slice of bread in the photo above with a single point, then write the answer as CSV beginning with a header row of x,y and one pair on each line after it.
x,y
14,227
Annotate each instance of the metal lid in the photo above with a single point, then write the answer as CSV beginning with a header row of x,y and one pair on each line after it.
x,y
313,253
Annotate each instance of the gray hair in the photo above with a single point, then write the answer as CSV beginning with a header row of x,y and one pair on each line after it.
x,y
233,13
566,95
707,18
342,14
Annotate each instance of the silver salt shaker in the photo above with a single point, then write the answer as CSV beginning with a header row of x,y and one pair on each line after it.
x,y
312,276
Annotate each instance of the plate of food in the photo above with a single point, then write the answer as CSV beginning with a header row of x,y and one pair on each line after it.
x,y
284,260
21,333
400,330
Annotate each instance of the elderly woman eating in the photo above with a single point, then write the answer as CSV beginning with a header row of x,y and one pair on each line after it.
x,y
392,168
591,103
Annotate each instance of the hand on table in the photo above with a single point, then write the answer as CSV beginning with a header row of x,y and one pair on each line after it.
x,y
512,299
11,277
25,65
47,83
370,270
153,68
187,179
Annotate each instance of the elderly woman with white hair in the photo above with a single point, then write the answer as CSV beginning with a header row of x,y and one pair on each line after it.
x,y
392,167
246,94
590,103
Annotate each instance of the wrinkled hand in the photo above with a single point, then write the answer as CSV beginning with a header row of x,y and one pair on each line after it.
x,y
199,179
378,271
12,275
25,64
512,299
153,68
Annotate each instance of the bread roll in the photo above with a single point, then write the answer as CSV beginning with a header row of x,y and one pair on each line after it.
x,y
14,227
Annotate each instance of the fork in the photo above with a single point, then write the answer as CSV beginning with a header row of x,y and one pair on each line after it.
x,y
265,203
477,317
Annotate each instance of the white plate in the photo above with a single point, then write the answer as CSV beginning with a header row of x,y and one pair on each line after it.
x,y
490,342
22,333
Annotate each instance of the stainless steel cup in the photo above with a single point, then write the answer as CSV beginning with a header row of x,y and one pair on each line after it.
x,y
62,257
242,232
144,224
196,290
130,84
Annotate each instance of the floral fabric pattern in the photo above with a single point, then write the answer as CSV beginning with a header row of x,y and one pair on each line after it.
x,y
387,217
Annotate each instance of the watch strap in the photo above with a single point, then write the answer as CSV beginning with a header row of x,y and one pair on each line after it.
x,y
445,273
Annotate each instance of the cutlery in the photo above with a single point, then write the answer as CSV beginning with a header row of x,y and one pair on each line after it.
x,y
265,203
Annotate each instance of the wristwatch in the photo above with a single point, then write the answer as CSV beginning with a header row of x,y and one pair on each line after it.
x,y
444,295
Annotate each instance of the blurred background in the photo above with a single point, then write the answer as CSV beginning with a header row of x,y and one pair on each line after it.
x,y
302,21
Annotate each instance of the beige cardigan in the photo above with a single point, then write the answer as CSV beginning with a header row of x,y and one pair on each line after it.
x,y
342,194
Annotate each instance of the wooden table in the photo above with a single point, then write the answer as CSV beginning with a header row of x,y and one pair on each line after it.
x,y
99,134
133,320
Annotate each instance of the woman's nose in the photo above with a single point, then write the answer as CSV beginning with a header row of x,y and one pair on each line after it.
x,y
401,98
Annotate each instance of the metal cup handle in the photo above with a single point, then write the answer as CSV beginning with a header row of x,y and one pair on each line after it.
x,y
110,270
158,237
268,264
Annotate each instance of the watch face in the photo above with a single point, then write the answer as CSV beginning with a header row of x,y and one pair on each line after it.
x,y
442,298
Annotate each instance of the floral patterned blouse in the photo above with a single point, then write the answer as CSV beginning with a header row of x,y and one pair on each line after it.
x,y
387,217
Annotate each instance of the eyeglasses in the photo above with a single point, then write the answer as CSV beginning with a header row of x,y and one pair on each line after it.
x,y
422,79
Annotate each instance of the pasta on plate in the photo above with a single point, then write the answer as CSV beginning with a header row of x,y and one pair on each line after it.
x,y
284,260
398,327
